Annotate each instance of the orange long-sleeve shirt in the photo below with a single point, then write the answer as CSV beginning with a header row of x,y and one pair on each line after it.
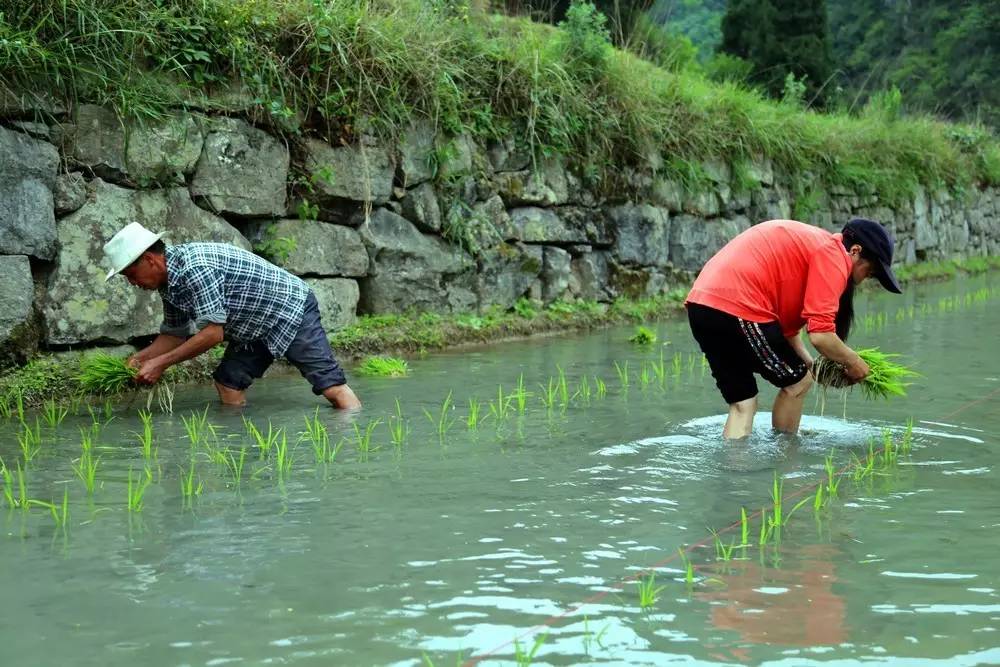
x,y
780,270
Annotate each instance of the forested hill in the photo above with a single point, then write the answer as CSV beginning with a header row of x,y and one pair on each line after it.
x,y
944,56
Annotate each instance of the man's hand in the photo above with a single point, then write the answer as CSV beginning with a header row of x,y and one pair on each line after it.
x,y
134,361
857,370
150,372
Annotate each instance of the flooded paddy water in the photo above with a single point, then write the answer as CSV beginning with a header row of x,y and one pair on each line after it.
x,y
430,540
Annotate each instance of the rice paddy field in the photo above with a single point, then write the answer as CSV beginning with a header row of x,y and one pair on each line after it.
x,y
557,501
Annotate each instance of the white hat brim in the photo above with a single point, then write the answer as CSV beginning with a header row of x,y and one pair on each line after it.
x,y
115,271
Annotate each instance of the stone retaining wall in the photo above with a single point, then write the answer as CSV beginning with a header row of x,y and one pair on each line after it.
x,y
432,223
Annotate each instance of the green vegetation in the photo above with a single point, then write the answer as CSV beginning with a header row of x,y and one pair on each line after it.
x,y
649,592
785,42
330,67
940,54
102,373
643,336
886,379
383,366
49,377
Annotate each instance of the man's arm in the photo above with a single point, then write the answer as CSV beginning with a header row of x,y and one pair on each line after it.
x,y
831,347
160,345
151,369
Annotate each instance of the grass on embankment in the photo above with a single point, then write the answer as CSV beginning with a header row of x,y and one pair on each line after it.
x,y
336,65
60,378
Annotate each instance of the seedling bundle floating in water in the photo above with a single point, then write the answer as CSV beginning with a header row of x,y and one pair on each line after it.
x,y
886,379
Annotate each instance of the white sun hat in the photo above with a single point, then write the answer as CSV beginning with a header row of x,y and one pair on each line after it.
x,y
127,245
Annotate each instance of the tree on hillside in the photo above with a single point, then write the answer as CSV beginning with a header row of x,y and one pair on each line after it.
x,y
944,58
622,14
780,37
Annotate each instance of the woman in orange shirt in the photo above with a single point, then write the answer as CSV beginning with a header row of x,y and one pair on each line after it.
x,y
752,298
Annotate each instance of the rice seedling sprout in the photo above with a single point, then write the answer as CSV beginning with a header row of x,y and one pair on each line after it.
x,y
399,428
318,436
649,592
146,437
473,418
521,396
364,439
30,440
283,458
524,658
137,489
54,414
188,487
443,421
622,371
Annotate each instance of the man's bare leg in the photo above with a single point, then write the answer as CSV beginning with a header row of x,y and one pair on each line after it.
x,y
230,396
740,421
341,396
787,411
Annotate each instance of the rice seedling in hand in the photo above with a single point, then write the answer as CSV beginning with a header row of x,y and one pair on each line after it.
x,y
649,592
642,336
885,380
383,366
102,373
399,428
54,414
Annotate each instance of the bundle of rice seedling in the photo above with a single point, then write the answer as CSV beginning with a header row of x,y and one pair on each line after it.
x,y
885,379
103,373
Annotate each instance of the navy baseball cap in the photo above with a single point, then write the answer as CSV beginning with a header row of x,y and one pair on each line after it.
x,y
877,243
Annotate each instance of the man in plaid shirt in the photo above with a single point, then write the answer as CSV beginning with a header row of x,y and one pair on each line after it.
x,y
213,292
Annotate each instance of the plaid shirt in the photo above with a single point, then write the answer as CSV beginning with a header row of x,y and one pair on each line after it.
x,y
215,283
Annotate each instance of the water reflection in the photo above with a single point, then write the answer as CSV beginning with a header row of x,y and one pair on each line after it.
x,y
794,605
